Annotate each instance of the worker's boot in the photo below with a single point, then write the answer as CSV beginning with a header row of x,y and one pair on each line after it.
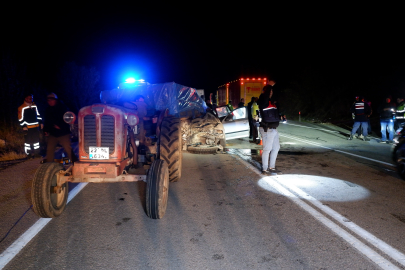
x,y
350,137
366,139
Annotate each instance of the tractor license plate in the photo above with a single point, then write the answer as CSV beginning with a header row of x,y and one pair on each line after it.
x,y
99,153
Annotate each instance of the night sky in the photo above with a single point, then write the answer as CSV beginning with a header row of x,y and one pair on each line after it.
x,y
206,45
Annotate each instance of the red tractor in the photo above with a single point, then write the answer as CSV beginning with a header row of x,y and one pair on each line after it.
x,y
114,147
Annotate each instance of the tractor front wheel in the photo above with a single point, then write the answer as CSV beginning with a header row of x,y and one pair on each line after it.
x,y
157,189
48,201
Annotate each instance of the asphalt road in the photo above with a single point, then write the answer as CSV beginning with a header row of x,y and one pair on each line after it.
x,y
339,204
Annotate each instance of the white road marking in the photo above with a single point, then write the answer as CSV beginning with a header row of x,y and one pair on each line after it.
x,y
381,245
350,239
24,239
343,152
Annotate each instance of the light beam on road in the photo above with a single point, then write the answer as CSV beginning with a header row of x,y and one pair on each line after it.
x,y
324,188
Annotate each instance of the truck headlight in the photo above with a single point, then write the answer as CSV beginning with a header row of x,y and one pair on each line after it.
x,y
69,117
132,120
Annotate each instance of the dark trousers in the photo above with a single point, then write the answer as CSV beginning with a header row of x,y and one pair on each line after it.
x,y
255,132
359,131
251,126
31,145
53,142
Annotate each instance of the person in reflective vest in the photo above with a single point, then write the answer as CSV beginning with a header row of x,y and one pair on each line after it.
x,y
400,113
230,105
255,120
30,121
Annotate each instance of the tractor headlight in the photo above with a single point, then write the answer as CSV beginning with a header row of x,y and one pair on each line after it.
x,y
132,120
69,117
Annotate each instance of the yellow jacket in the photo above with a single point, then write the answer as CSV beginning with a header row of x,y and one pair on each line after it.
x,y
255,108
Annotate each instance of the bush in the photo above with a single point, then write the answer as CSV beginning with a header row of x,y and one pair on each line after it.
x,y
11,143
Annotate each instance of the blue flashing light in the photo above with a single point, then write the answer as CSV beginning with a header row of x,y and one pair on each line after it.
x,y
130,80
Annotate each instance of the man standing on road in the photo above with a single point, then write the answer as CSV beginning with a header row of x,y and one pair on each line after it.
x,y
400,113
230,105
255,120
387,113
268,129
241,103
56,129
361,111
30,120
250,118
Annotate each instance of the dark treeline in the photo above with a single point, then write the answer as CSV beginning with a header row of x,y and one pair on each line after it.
x,y
323,96
13,83
75,85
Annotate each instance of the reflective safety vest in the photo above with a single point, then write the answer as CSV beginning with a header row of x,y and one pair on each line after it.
x,y
28,116
255,108
400,113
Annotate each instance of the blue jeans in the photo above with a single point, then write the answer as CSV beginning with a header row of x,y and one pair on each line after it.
x,y
384,125
364,125
271,143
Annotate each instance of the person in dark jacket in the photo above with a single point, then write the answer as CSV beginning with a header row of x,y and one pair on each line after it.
x,y
250,118
30,121
269,112
56,129
387,113
241,103
361,111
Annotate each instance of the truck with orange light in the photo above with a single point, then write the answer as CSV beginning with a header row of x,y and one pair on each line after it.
x,y
245,88
134,134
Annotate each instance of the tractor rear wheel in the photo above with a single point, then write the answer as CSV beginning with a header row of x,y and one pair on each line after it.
x,y
170,146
